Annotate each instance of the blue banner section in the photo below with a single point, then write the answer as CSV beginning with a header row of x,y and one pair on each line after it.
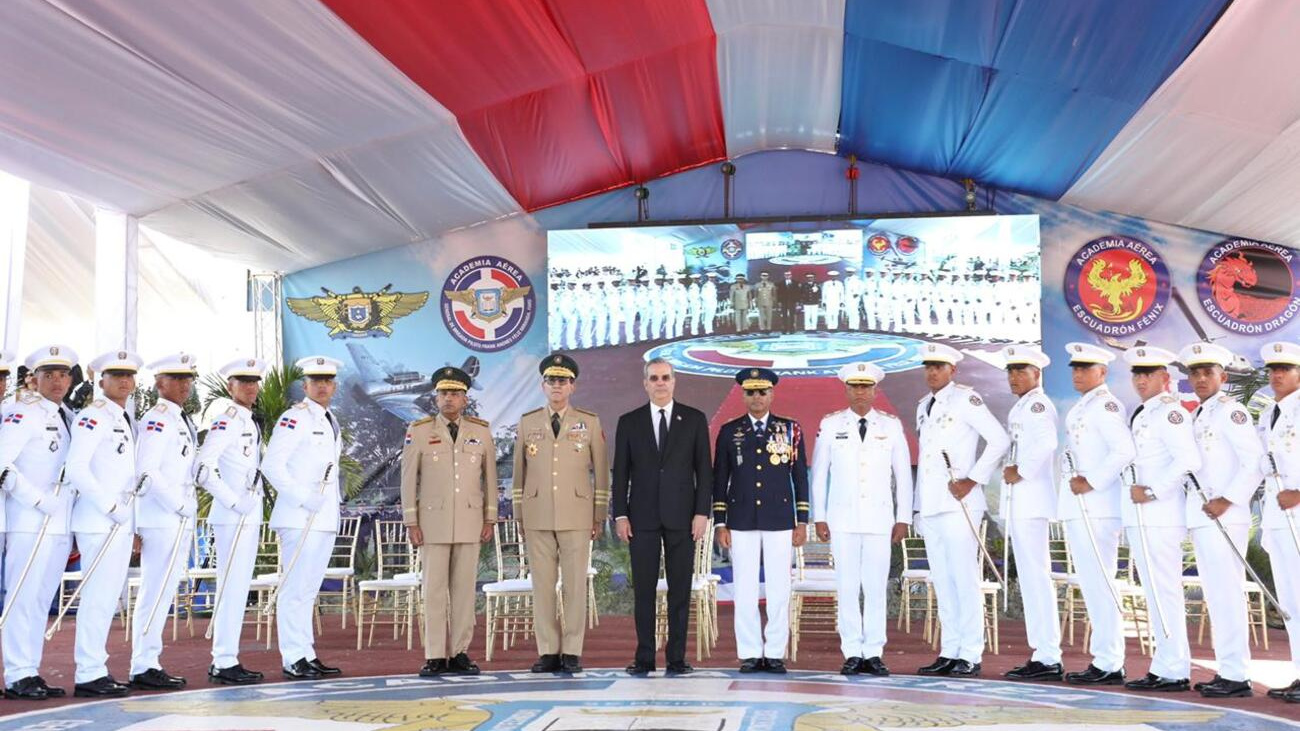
x,y
981,89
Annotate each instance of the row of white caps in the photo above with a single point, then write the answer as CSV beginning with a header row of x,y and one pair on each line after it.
x,y
62,356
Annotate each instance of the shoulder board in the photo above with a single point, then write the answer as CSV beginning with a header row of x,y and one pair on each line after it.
x,y
232,411
961,385
30,397
160,407
886,414
1167,399
584,411
475,420
1225,399
418,422
835,414
530,413
300,405
98,403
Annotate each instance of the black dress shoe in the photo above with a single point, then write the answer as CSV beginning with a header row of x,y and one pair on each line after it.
x,y
964,669
570,664
462,665
1292,696
1199,686
104,687
873,666
1035,670
433,668
678,667
1279,692
51,691
251,673
547,664
157,679
640,669
302,670
27,689
776,667
850,666
1155,684
752,665
233,675
322,668
1096,676
941,666
1225,688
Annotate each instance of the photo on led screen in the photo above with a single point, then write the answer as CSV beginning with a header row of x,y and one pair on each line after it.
x,y
957,280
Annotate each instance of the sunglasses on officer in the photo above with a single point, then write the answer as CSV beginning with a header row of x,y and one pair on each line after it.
x,y
757,391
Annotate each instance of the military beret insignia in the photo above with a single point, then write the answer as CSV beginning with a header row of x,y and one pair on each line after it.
x,y
1239,417
54,350
1112,407
250,362
1175,417
1276,348
1037,408
121,355
185,359
975,400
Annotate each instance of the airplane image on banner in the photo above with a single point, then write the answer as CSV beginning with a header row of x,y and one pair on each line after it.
x,y
400,393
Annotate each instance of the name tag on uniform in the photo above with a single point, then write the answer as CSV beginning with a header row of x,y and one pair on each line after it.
x,y
473,440
842,435
318,433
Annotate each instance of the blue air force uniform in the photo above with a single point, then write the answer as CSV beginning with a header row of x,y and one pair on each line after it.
x,y
760,492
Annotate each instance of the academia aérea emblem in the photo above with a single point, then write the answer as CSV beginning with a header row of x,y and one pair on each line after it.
x,y
1117,285
358,314
1249,287
732,249
488,303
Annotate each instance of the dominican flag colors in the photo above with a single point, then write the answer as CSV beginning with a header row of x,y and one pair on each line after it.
x,y
287,423
14,418
87,423
154,425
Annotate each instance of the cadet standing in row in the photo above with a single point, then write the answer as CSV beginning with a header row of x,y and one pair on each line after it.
x,y
101,468
449,506
1279,428
561,498
760,495
861,502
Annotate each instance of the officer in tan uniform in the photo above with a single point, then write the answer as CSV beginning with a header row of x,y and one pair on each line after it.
x,y
449,505
561,497
765,298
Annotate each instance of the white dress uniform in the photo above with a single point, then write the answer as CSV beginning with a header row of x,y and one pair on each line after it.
x,y
678,304
1100,444
167,443
304,444
1279,428
1166,452
1030,504
628,301
861,487
569,311
229,458
709,303
656,298
693,305
599,314
953,420
101,468
613,305
586,300
1231,455
832,300
34,437
853,291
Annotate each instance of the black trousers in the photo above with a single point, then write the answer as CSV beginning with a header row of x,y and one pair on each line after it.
x,y
679,554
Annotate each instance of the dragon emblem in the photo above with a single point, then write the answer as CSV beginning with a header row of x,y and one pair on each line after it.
x,y
358,314
1114,288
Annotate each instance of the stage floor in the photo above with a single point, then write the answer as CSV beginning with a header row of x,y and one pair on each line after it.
x,y
380,690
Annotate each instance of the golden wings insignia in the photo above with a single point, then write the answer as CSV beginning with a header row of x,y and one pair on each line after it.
x,y
358,314
487,303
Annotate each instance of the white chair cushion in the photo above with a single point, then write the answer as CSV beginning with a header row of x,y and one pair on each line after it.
x,y
338,573
916,574
812,585
387,584
508,586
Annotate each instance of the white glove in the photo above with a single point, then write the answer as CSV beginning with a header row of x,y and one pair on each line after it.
x,y
246,503
186,510
49,505
314,502
120,514
145,484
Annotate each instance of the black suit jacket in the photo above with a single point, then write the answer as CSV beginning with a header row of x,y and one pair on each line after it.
x,y
668,491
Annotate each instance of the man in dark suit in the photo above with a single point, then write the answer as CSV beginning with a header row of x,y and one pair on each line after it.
x,y
662,487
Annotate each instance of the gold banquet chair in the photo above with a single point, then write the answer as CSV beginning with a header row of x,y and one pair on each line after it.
x,y
916,589
814,600
396,587
702,614
508,601
342,568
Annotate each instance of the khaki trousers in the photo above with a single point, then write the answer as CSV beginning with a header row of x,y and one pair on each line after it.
x,y
450,571
553,555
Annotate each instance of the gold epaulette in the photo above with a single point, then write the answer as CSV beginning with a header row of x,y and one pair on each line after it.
x,y
886,414
584,411
530,413
418,422
475,420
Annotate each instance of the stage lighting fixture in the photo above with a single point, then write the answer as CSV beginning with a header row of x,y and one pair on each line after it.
x,y
969,184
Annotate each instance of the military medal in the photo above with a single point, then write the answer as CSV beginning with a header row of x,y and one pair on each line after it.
x,y
739,440
774,458
532,449
54,446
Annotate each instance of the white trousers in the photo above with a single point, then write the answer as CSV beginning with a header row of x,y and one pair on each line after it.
x,y
955,570
1107,642
101,593
1162,581
709,314
1034,574
810,317
771,549
23,637
228,622
832,314
295,603
600,328
852,309
156,578
570,331
1223,584
861,579
1285,559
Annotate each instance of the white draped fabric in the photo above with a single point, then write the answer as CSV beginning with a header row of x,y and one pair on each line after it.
x,y
1218,146
779,64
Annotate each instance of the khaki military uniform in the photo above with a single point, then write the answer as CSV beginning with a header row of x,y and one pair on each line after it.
x,y
741,298
561,489
765,298
449,491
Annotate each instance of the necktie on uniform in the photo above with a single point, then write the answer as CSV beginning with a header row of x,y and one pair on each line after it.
x,y
454,428
662,436
1272,421
333,424
758,430
930,405
1136,411
862,429
555,425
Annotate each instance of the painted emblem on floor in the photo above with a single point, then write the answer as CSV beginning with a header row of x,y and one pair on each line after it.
x,y
608,699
